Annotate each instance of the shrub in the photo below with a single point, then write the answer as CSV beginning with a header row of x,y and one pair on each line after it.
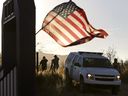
x,y
124,77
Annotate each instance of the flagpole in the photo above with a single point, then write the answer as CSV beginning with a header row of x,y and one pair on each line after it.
x,y
38,31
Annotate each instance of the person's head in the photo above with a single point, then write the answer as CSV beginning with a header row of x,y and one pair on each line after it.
x,y
55,56
115,60
43,57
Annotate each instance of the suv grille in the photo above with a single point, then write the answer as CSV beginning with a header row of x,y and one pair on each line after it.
x,y
104,77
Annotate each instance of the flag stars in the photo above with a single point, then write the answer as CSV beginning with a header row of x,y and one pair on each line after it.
x,y
65,9
68,13
65,16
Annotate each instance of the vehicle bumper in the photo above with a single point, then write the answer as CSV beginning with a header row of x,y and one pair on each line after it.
x,y
104,83
99,86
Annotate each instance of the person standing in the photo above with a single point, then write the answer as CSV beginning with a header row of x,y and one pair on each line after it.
x,y
54,63
43,63
116,65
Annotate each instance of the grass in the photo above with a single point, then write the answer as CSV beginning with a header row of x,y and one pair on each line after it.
x,y
53,84
49,83
124,77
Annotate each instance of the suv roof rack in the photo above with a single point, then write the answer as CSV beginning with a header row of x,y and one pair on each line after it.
x,y
82,52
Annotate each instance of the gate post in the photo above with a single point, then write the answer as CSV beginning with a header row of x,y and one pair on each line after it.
x,y
18,48
25,22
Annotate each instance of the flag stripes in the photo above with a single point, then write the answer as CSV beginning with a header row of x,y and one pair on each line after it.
x,y
82,19
58,38
78,28
71,29
60,32
64,28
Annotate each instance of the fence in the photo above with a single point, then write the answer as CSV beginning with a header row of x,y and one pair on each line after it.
x,y
8,82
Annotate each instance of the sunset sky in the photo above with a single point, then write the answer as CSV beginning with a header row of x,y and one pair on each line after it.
x,y
110,15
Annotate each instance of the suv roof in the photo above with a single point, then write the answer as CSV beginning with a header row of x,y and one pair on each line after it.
x,y
90,54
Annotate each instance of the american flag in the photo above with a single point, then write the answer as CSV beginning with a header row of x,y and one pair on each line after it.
x,y
67,24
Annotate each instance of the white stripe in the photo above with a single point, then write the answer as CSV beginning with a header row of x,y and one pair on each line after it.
x,y
96,32
75,31
62,29
61,38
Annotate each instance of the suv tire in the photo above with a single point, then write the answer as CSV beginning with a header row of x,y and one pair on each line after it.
x,y
82,85
115,90
68,80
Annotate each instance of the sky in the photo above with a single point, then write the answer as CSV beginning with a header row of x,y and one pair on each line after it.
x,y
110,15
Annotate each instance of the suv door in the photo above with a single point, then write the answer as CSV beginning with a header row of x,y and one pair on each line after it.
x,y
76,68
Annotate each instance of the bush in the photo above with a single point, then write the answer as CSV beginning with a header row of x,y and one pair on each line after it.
x,y
49,84
124,77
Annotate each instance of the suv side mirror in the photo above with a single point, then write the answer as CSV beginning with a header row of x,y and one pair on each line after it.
x,y
77,64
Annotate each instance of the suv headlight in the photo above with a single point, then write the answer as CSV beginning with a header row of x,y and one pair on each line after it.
x,y
90,76
118,77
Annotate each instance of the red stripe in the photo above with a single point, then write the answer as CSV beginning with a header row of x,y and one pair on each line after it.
x,y
54,37
66,28
103,32
75,26
62,34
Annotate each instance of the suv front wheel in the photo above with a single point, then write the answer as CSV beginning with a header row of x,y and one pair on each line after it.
x,y
115,90
82,85
68,80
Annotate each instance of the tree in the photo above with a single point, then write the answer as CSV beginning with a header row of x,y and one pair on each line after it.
x,y
111,54
126,64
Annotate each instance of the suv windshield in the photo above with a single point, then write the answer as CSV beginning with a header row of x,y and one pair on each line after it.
x,y
96,62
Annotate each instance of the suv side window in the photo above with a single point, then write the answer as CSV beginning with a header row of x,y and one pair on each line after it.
x,y
80,60
77,61
69,58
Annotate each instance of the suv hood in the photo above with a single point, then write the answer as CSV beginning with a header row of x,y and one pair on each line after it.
x,y
101,71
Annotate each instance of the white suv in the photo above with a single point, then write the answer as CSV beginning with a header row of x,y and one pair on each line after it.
x,y
91,68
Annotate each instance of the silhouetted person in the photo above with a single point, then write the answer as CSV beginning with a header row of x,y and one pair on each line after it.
x,y
43,63
116,65
54,63
122,67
